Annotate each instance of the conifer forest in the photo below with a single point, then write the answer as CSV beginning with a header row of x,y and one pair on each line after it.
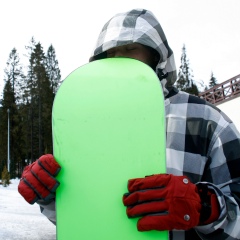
x,y
26,107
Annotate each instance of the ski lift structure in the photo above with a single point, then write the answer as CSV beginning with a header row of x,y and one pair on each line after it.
x,y
222,92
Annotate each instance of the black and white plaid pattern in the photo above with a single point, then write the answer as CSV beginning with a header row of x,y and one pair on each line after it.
x,y
138,26
202,142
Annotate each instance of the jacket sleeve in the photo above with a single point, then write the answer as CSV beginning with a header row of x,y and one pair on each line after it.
x,y
223,176
48,209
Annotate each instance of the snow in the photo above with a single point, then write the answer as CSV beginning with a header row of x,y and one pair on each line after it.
x,y
20,220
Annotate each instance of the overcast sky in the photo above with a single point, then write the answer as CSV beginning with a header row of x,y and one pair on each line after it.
x,y
210,29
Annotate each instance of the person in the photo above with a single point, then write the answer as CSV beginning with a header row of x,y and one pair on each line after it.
x,y
199,196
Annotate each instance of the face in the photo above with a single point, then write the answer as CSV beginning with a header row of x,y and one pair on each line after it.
x,y
136,51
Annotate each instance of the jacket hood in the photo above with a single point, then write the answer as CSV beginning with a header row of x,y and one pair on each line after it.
x,y
138,26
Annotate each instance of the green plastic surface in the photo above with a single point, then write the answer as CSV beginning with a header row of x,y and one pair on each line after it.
x,y
108,127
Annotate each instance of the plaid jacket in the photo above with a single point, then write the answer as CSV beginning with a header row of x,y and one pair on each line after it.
x,y
202,142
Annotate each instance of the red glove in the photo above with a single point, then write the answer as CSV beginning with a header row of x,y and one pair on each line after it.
x,y
210,206
38,179
164,202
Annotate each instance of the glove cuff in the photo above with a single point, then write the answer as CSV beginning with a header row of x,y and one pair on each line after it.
x,y
210,210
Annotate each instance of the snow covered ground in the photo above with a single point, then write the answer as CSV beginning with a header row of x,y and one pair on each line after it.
x,y
20,220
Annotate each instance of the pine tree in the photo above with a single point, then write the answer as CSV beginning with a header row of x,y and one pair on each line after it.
x,y
8,107
14,73
185,80
52,68
212,81
11,95
3,139
28,109
7,103
41,104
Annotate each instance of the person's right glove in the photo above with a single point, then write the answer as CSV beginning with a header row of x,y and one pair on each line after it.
x,y
167,202
38,179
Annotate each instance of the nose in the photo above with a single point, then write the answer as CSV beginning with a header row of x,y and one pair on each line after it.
x,y
119,53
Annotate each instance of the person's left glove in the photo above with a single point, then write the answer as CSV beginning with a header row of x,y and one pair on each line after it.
x,y
38,180
163,202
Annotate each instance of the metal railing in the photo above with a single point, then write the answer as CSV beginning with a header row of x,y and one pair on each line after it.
x,y
223,92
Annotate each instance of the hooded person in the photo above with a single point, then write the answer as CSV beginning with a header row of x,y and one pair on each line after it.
x,y
199,197
138,26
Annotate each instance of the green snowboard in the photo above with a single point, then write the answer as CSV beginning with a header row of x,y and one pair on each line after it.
x,y
108,127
